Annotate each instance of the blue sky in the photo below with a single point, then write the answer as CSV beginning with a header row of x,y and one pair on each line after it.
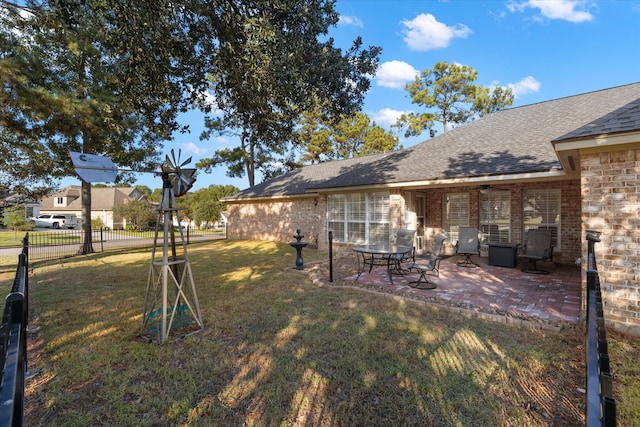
x,y
541,49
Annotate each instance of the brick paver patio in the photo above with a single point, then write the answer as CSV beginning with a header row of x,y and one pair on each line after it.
x,y
554,298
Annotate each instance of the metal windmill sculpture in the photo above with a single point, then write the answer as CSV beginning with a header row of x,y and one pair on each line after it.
x,y
171,270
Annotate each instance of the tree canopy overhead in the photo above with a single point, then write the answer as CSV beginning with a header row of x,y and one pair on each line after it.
x,y
271,65
110,77
451,97
104,77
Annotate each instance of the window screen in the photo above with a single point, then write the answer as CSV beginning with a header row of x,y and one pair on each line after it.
x,y
541,209
495,216
359,217
455,213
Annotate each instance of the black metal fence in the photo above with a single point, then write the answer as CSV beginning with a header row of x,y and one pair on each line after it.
x,y
48,245
13,344
601,406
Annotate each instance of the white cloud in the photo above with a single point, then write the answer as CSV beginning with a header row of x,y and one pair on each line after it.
x,y
568,10
424,32
395,74
524,86
190,147
386,117
350,20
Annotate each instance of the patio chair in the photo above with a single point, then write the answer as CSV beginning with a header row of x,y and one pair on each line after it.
x,y
404,237
537,248
431,264
468,245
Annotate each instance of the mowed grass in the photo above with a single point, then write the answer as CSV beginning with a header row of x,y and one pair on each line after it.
x,y
279,350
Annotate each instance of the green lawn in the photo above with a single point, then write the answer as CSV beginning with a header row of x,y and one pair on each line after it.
x,y
279,350
11,238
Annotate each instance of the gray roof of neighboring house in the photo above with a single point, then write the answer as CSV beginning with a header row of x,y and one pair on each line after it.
x,y
512,141
102,198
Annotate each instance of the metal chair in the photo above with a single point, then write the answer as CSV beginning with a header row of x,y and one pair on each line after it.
x,y
537,248
468,245
405,237
432,264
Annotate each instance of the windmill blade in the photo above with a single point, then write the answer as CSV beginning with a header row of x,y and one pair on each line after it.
x,y
182,179
94,168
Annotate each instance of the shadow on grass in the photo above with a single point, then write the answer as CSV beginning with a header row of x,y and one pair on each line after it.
x,y
278,350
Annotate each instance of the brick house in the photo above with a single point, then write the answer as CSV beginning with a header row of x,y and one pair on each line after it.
x,y
570,165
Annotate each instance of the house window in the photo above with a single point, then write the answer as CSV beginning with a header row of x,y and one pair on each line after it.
x,y
495,216
59,201
541,209
455,213
359,217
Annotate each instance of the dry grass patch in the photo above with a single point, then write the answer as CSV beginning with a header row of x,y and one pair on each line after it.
x,y
278,350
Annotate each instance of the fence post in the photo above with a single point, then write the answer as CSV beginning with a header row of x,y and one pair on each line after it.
x,y
13,343
600,405
330,256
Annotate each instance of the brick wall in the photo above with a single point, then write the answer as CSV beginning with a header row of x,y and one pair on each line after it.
x,y
278,220
570,238
611,204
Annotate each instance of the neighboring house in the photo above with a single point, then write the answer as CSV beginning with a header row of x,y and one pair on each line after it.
x,y
222,222
31,208
103,200
570,164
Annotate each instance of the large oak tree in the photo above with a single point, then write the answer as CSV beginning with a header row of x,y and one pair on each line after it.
x,y
110,77
100,76
271,65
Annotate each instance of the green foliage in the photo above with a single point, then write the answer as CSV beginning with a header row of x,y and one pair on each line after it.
x,y
14,217
450,92
351,136
92,76
97,223
356,135
155,195
144,190
272,64
138,213
204,206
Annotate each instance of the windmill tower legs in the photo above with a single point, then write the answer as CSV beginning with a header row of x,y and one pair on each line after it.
x,y
171,300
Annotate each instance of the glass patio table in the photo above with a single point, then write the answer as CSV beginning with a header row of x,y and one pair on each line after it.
x,y
379,255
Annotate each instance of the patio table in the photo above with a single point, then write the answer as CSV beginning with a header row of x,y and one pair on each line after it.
x,y
379,255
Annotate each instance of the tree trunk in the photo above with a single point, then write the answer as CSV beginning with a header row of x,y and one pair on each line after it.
x,y
87,245
251,164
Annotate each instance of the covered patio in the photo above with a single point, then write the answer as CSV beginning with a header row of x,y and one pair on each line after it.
x,y
503,294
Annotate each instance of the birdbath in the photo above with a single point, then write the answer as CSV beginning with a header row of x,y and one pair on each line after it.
x,y
299,245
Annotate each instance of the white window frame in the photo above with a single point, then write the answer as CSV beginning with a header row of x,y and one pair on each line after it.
x,y
542,208
359,218
455,213
495,216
